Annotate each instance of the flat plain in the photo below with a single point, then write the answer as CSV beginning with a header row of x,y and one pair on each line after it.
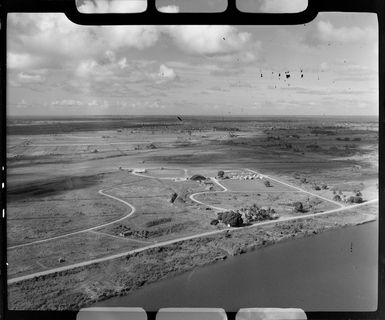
x,y
88,194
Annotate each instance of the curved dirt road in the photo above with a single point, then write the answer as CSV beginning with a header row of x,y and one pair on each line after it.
x,y
159,244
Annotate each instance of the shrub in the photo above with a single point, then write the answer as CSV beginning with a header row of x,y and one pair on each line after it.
x,y
173,197
267,183
357,199
221,173
214,222
350,199
303,180
157,222
317,187
324,187
234,219
337,198
298,207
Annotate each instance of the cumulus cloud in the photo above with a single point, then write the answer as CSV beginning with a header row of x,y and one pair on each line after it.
x,y
209,40
272,6
53,41
169,9
21,61
23,77
328,32
139,37
166,73
283,6
112,6
67,102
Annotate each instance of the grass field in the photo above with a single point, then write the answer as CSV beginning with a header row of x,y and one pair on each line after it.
x,y
72,195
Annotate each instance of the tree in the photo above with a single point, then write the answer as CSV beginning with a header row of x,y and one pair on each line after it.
x,y
173,197
214,222
221,173
234,219
357,199
337,198
298,207
267,183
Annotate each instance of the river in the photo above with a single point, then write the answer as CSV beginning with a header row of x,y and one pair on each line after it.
x,y
332,271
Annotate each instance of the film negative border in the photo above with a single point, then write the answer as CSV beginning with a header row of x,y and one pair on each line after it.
x,y
230,16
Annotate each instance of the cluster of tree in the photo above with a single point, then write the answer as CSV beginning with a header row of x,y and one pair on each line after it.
x,y
357,198
348,139
313,146
323,131
354,199
237,218
273,138
299,207
254,213
322,187
267,183
230,218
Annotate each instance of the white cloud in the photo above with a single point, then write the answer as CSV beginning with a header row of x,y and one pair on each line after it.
x,y
166,73
20,61
328,32
67,102
50,39
85,68
112,6
324,66
139,37
122,63
169,9
209,40
30,78
283,6
110,56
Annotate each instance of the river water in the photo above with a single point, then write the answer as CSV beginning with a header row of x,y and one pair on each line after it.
x,y
333,271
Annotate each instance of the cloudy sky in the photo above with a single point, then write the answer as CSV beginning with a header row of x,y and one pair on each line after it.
x,y
56,67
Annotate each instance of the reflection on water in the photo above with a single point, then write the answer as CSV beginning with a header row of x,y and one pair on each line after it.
x,y
333,271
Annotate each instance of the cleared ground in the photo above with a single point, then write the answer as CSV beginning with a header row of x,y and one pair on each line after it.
x,y
282,202
256,185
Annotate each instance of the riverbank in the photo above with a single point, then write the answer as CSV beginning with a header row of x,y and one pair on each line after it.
x,y
82,287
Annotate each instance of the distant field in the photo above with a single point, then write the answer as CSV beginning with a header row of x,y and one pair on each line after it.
x,y
282,202
255,185
165,173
